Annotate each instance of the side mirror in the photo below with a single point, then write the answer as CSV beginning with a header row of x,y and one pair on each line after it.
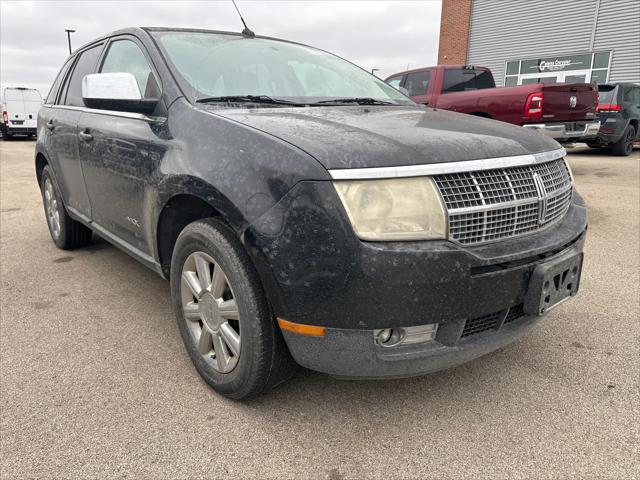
x,y
115,91
404,90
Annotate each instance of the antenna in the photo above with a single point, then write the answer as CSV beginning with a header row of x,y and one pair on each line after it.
x,y
246,32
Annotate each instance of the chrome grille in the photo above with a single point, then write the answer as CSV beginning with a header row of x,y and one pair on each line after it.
x,y
487,205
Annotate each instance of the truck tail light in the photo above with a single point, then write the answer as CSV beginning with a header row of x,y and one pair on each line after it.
x,y
609,107
5,117
533,105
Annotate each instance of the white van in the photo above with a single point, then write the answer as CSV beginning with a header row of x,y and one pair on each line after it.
x,y
20,107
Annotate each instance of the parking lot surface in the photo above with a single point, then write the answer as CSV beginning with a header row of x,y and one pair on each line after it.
x,y
95,382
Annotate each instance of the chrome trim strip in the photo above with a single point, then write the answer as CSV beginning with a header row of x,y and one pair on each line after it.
x,y
513,203
111,113
442,168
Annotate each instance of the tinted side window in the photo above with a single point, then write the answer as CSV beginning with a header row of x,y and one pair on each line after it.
x,y
53,92
85,65
395,81
417,83
126,56
462,80
632,95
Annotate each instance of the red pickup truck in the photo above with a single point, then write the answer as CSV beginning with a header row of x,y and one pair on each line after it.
x,y
564,111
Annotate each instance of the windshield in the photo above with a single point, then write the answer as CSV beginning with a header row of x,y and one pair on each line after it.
x,y
218,65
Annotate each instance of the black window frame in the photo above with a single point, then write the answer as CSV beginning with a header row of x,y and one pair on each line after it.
x,y
59,81
62,94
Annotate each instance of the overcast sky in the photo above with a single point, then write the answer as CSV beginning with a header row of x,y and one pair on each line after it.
x,y
384,35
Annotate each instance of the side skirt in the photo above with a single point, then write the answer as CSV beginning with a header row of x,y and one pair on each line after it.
x,y
126,247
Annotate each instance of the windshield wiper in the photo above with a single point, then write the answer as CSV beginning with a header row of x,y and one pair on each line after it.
x,y
246,99
359,101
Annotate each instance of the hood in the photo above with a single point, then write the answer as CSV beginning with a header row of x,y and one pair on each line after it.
x,y
359,137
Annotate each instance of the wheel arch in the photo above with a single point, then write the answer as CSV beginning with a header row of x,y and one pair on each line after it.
x,y
40,162
177,212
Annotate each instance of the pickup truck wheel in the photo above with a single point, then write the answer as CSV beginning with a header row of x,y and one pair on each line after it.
x,y
6,136
624,146
65,232
223,315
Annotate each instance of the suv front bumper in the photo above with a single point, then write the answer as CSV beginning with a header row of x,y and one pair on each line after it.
x,y
316,272
355,353
567,130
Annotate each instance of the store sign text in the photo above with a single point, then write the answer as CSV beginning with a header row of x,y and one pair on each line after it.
x,y
554,66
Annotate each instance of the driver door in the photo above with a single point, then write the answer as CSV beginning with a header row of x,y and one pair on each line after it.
x,y
120,152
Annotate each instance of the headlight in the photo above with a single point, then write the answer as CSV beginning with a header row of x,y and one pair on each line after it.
x,y
394,209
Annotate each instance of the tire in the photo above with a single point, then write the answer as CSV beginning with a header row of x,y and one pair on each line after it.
x,y
65,232
6,136
624,146
231,313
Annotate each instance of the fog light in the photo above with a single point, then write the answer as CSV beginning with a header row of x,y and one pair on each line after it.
x,y
384,335
391,337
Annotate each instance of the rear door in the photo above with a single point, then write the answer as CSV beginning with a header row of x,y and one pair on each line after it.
x,y
569,102
62,125
32,101
120,151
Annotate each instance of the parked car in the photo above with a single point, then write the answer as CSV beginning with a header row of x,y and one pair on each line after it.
x,y
301,207
19,107
619,115
565,112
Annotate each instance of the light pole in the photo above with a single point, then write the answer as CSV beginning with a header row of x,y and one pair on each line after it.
x,y
69,32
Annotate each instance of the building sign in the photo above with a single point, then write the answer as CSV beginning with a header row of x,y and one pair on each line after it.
x,y
556,64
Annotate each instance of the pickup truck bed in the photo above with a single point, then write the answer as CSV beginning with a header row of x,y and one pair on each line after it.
x,y
566,112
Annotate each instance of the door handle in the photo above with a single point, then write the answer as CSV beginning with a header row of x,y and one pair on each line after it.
x,y
86,136
50,125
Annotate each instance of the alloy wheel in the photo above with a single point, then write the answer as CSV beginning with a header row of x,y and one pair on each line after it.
x,y
51,208
211,312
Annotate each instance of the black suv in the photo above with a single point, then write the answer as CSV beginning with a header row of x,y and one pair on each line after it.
x,y
303,209
619,115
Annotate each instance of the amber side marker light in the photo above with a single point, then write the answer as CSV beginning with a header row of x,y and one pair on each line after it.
x,y
301,329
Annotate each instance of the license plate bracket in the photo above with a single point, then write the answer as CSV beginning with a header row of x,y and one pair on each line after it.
x,y
552,283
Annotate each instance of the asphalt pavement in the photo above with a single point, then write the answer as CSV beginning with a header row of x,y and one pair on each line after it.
x,y
95,382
